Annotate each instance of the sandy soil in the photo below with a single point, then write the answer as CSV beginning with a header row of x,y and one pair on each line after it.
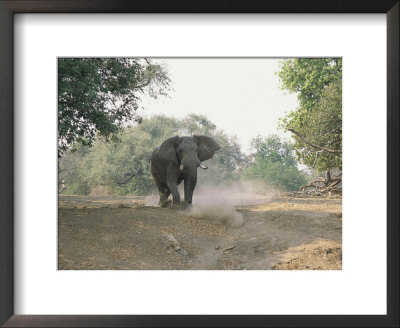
x,y
279,233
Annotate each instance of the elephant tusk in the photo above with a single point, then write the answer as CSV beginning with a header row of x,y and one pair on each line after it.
x,y
181,167
205,167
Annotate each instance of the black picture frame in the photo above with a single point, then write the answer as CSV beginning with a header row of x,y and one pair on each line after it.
x,y
10,7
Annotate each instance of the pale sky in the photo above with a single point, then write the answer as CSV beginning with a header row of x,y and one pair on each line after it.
x,y
241,96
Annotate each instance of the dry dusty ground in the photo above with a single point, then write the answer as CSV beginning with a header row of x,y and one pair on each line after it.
x,y
283,233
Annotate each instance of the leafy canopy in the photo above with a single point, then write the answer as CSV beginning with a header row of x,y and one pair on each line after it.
x,y
274,163
96,96
123,168
318,118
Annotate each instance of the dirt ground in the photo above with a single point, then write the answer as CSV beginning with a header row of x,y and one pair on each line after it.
x,y
129,233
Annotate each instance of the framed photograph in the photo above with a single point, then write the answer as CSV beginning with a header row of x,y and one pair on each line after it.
x,y
208,164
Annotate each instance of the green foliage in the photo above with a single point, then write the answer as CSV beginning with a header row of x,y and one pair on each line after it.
x,y
274,163
273,150
308,77
318,84
73,168
96,96
106,168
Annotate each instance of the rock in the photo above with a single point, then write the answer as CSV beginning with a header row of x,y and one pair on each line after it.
x,y
174,243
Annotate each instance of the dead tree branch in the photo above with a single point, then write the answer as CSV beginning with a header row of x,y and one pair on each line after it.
x,y
333,151
129,178
312,184
323,185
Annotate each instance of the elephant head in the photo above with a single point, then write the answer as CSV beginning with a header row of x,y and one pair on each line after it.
x,y
187,153
177,159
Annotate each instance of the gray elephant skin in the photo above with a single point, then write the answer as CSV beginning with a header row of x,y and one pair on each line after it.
x,y
177,160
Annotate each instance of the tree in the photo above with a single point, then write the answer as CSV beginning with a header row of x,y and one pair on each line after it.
x,y
317,122
308,77
274,163
96,96
123,168
73,171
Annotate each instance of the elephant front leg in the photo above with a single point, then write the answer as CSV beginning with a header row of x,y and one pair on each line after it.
x,y
164,194
173,186
176,198
163,191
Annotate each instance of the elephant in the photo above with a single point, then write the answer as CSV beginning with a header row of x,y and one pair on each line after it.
x,y
177,160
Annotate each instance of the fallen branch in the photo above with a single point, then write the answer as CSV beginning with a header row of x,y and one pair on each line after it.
x,y
332,186
329,184
311,184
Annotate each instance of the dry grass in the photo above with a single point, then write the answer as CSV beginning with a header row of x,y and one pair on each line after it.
x,y
283,206
322,254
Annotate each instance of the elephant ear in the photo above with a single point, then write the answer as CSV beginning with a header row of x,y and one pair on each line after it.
x,y
167,150
207,147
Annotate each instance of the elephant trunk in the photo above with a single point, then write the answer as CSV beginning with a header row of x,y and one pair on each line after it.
x,y
190,184
190,164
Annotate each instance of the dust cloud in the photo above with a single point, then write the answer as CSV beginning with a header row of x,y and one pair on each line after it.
x,y
219,203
